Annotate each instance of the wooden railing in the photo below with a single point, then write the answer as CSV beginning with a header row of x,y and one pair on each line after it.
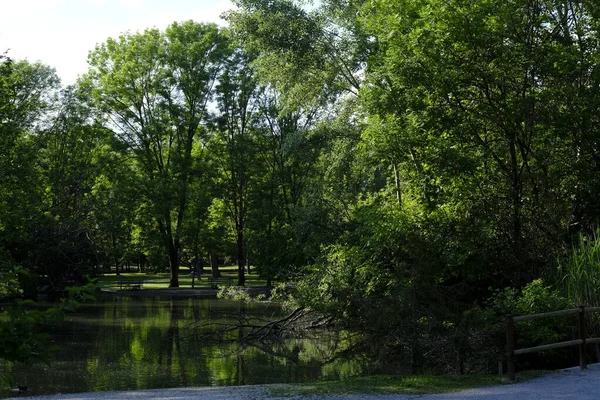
x,y
511,352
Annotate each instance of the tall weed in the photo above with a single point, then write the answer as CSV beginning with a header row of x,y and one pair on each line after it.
x,y
579,273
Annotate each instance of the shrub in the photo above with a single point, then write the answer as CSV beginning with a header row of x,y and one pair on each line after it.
x,y
485,326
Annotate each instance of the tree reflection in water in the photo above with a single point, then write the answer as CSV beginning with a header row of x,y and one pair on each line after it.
x,y
153,343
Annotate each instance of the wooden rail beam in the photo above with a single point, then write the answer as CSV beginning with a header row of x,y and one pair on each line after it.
x,y
547,314
526,350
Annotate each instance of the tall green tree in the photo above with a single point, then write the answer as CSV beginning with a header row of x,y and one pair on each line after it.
x,y
154,88
283,223
235,145
311,70
71,154
114,203
27,93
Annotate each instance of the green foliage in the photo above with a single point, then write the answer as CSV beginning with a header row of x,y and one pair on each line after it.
x,y
466,128
317,58
534,298
25,327
21,107
22,332
238,294
9,281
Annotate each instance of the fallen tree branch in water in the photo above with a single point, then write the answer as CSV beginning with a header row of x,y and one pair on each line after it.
x,y
276,327
270,335
251,328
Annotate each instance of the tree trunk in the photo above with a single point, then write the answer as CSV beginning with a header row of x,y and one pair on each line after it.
x,y
214,265
516,197
173,264
397,184
114,248
240,258
172,247
142,263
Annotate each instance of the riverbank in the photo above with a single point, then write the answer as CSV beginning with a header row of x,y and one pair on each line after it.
x,y
569,383
198,293
135,284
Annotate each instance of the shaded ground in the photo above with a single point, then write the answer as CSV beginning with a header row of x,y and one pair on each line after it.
x,y
566,384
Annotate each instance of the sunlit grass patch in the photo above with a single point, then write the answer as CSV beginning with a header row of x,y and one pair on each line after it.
x,y
388,384
162,280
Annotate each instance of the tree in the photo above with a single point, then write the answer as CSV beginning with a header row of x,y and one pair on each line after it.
x,y
477,123
313,71
154,89
282,225
307,56
234,145
115,204
71,154
27,92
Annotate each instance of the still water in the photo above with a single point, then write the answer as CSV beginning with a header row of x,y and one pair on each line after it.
x,y
148,343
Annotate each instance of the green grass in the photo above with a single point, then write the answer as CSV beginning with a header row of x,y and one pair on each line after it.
x,y
579,273
385,384
161,280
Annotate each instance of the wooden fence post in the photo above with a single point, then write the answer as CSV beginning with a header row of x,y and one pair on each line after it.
x,y
510,347
582,335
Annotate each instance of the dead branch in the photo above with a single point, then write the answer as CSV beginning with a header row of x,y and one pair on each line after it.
x,y
251,328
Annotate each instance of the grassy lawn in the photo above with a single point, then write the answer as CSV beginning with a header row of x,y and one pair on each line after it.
x,y
383,385
161,280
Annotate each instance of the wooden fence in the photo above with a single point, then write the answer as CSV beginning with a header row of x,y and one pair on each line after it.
x,y
581,341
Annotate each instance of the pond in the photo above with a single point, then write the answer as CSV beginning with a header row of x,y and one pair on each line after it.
x,y
136,343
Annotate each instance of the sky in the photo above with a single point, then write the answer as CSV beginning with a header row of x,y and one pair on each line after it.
x,y
60,33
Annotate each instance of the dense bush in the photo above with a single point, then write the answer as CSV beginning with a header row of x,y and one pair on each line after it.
x,y
485,325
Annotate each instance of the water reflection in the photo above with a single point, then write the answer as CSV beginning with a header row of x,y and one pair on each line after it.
x,y
147,343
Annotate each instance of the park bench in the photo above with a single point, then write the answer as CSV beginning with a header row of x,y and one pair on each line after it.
x,y
130,284
222,280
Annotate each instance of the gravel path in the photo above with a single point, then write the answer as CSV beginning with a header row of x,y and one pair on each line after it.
x,y
566,384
